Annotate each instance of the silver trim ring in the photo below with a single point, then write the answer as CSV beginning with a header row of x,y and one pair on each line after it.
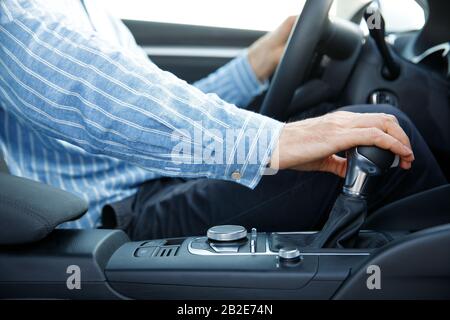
x,y
226,233
289,253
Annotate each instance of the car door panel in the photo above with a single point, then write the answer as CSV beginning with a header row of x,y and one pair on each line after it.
x,y
190,52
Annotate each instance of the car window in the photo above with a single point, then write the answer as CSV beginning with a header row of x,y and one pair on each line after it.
x,y
402,15
240,14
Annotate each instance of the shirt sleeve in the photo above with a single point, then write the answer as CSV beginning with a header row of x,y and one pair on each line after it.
x,y
235,82
75,87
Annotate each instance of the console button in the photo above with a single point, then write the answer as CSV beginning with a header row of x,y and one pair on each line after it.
x,y
289,254
153,243
144,252
226,233
200,245
229,248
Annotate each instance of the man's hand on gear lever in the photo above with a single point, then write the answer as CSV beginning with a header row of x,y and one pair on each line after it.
x,y
312,144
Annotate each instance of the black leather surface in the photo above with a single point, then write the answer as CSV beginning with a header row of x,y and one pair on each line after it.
x,y
343,225
302,241
413,267
420,211
340,231
29,210
278,241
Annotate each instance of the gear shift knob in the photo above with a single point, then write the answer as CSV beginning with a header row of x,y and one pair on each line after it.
x,y
364,163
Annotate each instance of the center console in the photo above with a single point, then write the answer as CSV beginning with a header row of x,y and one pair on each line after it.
x,y
230,263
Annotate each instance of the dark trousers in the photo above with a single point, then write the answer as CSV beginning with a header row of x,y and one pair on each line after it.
x,y
288,201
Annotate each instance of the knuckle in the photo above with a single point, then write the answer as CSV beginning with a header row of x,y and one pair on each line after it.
x,y
393,118
376,133
398,145
390,119
376,119
334,122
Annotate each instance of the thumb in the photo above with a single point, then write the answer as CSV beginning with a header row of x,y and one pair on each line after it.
x,y
336,165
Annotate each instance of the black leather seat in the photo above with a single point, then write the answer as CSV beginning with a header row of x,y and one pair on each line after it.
x,y
30,210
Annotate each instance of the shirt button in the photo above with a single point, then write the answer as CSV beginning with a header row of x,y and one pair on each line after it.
x,y
236,175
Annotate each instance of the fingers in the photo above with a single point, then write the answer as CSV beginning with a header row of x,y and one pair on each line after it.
x,y
374,136
379,129
312,144
284,30
385,122
290,21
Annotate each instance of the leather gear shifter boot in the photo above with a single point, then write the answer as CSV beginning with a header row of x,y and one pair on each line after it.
x,y
342,228
350,209
340,231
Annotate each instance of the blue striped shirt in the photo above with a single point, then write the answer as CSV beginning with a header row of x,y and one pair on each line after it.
x,y
83,109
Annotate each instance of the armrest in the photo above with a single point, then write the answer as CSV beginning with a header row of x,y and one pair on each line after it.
x,y
30,210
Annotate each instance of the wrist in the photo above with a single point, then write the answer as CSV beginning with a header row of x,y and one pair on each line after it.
x,y
261,61
278,161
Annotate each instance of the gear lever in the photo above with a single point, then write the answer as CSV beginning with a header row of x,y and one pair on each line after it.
x,y
363,163
349,211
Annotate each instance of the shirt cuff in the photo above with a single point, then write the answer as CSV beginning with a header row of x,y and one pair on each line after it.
x,y
235,82
245,78
249,154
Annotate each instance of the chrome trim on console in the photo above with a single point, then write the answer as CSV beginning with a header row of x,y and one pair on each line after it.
x,y
267,251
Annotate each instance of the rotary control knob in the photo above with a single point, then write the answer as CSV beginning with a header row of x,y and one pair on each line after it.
x,y
289,254
226,233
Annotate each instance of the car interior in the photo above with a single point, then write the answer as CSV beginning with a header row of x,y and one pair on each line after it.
x,y
328,61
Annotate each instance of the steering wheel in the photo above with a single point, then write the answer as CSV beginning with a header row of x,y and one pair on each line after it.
x,y
297,58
